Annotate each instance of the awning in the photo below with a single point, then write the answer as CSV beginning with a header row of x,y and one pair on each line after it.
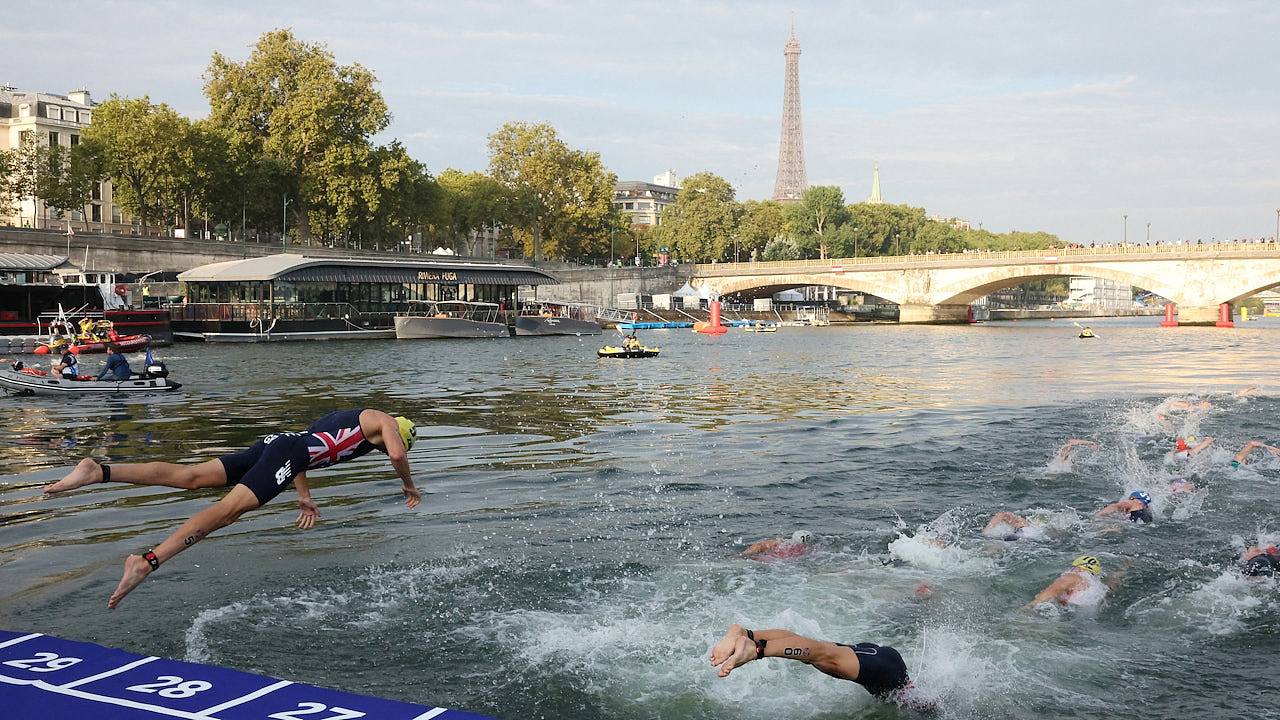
x,y
416,275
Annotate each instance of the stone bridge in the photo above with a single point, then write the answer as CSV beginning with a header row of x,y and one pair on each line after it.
x,y
939,288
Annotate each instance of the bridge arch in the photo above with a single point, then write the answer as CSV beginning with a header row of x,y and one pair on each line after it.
x,y
975,285
861,282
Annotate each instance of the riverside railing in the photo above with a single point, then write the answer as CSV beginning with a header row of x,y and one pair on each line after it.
x,y
997,257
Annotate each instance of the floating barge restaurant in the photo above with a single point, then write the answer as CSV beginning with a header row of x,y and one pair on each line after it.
x,y
295,297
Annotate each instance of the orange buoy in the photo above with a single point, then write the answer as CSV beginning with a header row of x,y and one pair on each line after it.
x,y
42,349
713,327
1168,316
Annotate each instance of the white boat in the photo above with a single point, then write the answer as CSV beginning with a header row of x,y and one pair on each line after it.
x,y
760,328
450,319
23,383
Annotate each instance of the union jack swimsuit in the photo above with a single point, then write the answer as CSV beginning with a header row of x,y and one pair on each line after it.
x,y
335,438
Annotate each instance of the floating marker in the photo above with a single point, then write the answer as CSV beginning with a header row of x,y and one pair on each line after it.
x,y
42,676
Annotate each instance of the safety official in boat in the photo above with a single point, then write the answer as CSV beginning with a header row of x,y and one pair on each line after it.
x,y
255,476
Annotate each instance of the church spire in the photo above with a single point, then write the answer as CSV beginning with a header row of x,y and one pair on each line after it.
x,y
875,198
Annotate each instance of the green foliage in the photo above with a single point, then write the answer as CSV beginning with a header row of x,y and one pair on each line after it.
x,y
820,209
559,197
140,146
782,248
701,224
65,177
467,203
8,168
761,222
291,104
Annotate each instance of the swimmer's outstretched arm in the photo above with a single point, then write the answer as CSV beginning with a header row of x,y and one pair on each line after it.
x,y
1007,518
1245,391
737,649
1242,457
1065,453
1111,509
1056,592
219,515
399,458
1203,444
308,511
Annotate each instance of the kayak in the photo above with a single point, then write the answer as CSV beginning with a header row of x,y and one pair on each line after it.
x,y
32,381
617,352
1087,335
126,343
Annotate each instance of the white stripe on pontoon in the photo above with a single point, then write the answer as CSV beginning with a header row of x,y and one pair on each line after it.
x,y
245,698
17,640
109,673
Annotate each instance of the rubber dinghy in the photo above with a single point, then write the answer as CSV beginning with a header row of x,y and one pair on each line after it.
x,y
37,382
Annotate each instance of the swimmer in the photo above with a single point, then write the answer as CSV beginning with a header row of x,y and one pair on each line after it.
x,y
878,668
798,544
1064,454
1007,526
1242,457
1080,586
255,477
1260,562
1135,508
1183,405
1244,391
1183,451
1181,485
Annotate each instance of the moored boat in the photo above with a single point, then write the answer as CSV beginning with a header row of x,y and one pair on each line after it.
x,y
557,319
32,381
450,319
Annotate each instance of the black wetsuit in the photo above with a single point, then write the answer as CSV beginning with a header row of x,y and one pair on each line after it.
x,y
880,669
275,460
1141,515
1264,564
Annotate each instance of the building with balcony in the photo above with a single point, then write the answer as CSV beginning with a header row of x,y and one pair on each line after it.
x,y
55,120
1099,294
644,202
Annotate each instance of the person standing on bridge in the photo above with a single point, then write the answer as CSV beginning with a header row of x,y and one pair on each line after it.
x,y
255,476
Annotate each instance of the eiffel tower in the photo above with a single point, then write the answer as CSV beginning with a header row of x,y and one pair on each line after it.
x,y
791,182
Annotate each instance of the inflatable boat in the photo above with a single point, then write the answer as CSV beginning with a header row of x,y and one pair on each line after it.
x,y
33,381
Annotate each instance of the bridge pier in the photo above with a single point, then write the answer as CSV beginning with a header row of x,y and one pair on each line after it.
x,y
913,313
1198,315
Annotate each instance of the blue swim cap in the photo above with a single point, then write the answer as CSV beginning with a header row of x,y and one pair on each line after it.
x,y
1141,496
1235,464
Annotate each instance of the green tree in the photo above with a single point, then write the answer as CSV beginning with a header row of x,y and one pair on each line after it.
x,y
8,171
65,178
820,209
140,148
701,224
762,221
884,229
560,198
293,103
468,203
24,178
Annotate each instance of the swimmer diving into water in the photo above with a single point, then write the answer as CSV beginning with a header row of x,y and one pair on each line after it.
x,y
878,668
255,476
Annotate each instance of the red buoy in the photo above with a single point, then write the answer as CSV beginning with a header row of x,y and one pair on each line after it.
x,y
1224,316
713,327
1168,316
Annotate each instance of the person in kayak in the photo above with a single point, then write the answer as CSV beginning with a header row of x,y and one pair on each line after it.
x,y
1242,457
880,669
631,342
255,477
1135,508
117,366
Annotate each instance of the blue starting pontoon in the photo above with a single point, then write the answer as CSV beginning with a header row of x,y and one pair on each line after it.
x,y
653,325
47,677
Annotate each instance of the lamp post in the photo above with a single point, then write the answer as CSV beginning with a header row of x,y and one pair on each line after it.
x,y
284,222
613,233
1148,233
1278,225
1126,229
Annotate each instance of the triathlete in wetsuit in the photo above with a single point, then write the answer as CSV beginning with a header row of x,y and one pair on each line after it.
x,y
1260,562
878,668
255,476
1135,508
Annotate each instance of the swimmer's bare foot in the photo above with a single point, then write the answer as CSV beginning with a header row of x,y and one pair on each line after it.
x,y
724,648
87,472
136,569
744,651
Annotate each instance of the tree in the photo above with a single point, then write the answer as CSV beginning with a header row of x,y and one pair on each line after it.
x,y
702,222
291,102
468,203
140,147
23,179
8,171
761,223
559,196
65,177
820,208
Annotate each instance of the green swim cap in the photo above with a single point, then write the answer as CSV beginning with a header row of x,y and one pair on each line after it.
x,y
407,431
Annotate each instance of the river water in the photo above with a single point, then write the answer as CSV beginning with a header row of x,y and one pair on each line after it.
x,y
575,555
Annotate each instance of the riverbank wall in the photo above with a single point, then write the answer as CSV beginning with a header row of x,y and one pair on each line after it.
x,y
601,286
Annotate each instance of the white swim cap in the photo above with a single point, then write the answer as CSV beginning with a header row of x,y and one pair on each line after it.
x,y
802,536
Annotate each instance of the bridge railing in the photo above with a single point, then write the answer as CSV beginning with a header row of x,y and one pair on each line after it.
x,y
984,257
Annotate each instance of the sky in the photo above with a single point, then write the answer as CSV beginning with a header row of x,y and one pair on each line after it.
x,y
1054,116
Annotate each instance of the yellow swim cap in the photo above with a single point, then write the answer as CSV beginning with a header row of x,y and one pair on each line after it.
x,y
407,429
1088,562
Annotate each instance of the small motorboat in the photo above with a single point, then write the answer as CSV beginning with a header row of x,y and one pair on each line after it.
x,y
760,327
611,351
34,381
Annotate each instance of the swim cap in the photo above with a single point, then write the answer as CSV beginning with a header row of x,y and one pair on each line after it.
x,y
407,429
1181,444
802,536
1235,464
1141,496
1088,562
